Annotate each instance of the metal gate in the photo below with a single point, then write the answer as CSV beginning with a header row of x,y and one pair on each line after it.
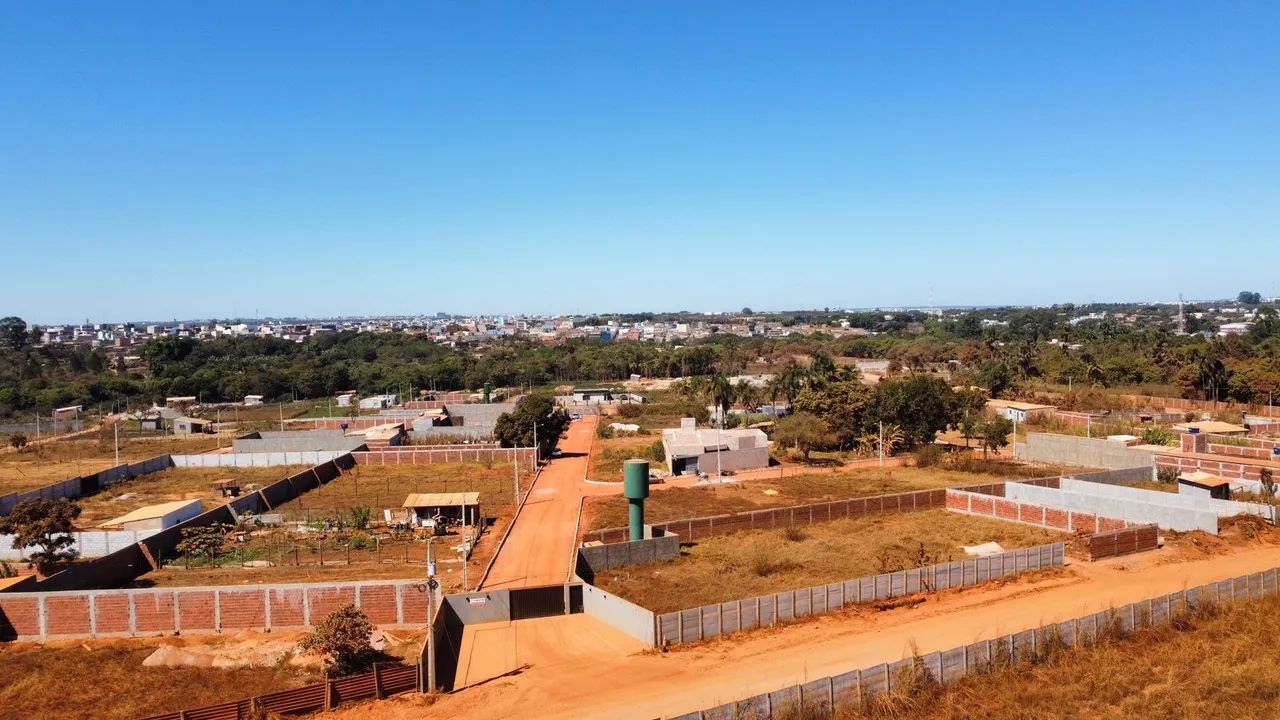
x,y
528,603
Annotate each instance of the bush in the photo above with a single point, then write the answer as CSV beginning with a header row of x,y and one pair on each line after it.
x,y
794,533
657,452
17,441
1167,475
360,516
1159,436
343,640
604,431
631,411
929,456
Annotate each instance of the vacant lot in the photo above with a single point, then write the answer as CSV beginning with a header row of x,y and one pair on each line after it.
x,y
174,484
608,454
51,681
39,465
758,563
1222,664
677,503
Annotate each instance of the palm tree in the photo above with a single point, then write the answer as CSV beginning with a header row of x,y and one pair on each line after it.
x,y
749,396
720,392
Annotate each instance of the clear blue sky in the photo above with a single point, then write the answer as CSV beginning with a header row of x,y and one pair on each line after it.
x,y
190,160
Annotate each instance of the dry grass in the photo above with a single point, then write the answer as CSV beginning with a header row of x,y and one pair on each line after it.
x,y
106,681
678,503
608,454
1221,663
173,484
45,463
748,564
336,571
385,486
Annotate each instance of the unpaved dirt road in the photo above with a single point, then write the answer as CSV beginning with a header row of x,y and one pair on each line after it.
x,y
541,544
606,684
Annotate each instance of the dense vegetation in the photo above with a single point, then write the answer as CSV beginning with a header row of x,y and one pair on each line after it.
x,y
1004,350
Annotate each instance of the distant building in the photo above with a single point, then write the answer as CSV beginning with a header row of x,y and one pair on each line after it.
x,y
377,402
180,401
1234,328
344,399
191,426
461,507
1019,411
251,400
691,450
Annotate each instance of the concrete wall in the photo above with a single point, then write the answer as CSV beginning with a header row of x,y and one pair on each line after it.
x,y
87,484
263,459
100,613
1131,510
598,558
1223,508
853,690
88,544
1085,452
1245,470
709,621
1028,513
303,442
620,614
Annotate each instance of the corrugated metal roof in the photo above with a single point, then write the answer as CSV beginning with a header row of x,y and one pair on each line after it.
x,y
149,512
457,499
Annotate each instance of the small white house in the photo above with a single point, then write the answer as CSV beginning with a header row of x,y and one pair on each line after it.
x,y
344,399
155,517
251,400
377,402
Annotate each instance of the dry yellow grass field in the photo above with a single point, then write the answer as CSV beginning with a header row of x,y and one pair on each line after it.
x,y
173,484
45,463
748,564
1221,663
677,503
385,486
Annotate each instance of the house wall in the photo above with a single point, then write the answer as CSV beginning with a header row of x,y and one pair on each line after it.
x,y
1085,452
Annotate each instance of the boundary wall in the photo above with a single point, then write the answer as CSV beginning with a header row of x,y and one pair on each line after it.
x,y
88,543
265,459
432,454
1089,452
1233,467
1000,508
200,610
598,558
1209,405
1222,508
710,621
1057,503
619,614
827,696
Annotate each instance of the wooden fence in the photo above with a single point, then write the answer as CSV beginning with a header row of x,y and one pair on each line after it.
x,y
385,680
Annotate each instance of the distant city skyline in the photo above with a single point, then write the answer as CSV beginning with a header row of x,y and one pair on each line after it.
x,y
374,159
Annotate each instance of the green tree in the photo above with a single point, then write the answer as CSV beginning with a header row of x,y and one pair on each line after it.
x,y
844,406
1248,297
516,428
45,525
17,441
13,332
995,433
205,542
922,405
343,639
803,431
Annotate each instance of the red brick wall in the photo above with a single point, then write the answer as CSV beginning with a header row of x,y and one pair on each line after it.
x,y
1223,468
146,612
1030,514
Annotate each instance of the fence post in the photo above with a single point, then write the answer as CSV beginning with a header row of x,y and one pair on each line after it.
x,y
328,694
377,681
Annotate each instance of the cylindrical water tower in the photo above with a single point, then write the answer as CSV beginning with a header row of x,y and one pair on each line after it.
x,y
635,486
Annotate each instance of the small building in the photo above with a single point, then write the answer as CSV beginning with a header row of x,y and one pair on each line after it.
x,y
377,402
593,395
184,425
180,401
691,450
385,435
68,412
344,399
1205,485
462,508
1019,411
251,400
155,517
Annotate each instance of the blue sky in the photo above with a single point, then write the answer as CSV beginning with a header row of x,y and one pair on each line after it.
x,y
188,160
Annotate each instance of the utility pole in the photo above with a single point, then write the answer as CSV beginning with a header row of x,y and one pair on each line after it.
x,y
880,444
535,444
217,431
117,428
38,426
431,616
280,406
515,479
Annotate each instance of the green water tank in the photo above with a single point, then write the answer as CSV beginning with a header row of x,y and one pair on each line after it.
x,y
635,487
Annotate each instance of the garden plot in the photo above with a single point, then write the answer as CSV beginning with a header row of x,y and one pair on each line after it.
x,y
748,564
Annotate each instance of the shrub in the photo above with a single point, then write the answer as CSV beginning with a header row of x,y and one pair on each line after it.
x,y
929,455
1268,483
17,441
1159,436
343,640
794,533
657,452
631,411
206,541
1167,475
604,431
360,516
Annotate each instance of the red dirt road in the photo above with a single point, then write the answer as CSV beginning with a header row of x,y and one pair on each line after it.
x,y
650,684
541,544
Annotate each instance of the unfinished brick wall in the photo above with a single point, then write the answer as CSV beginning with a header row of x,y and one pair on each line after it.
x,y
971,503
429,455
38,616
1230,469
